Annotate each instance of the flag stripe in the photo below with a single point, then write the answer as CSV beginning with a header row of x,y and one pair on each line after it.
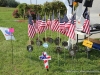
x,y
86,27
71,31
31,31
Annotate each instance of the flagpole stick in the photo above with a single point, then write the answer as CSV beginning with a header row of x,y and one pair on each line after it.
x,y
72,14
12,48
73,11
64,51
72,48
58,20
38,45
89,18
38,35
88,33
37,27
29,39
38,49
30,52
59,37
50,28
45,31
45,35
45,26
51,23
64,56
59,29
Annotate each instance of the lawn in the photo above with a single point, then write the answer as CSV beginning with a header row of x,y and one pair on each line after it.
x,y
28,63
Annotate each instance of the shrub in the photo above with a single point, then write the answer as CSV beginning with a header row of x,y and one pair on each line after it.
x,y
16,14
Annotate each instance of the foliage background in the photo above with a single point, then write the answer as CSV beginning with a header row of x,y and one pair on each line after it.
x,y
48,7
9,3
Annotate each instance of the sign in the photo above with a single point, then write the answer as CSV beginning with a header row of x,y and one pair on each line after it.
x,y
87,43
45,45
8,33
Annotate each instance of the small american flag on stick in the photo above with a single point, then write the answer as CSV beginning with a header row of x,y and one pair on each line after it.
x,y
86,25
43,25
71,31
31,28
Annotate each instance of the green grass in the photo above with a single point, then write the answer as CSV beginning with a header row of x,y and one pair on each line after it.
x,y
28,63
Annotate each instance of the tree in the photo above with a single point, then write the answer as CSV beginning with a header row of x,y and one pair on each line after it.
x,y
22,9
12,3
58,6
9,3
15,14
47,8
3,3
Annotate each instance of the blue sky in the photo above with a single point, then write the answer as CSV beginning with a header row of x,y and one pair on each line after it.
x,y
33,1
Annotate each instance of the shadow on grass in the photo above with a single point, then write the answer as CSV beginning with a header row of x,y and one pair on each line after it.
x,y
58,69
32,57
93,54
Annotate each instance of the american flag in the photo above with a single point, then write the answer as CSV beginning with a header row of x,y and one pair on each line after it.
x,y
67,25
56,24
86,25
38,22
67,22
53,22
43,25
31,28
65,19
61,26
49,23
71,31
85,12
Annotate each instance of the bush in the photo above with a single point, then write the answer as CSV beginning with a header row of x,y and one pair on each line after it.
x,y
16,14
